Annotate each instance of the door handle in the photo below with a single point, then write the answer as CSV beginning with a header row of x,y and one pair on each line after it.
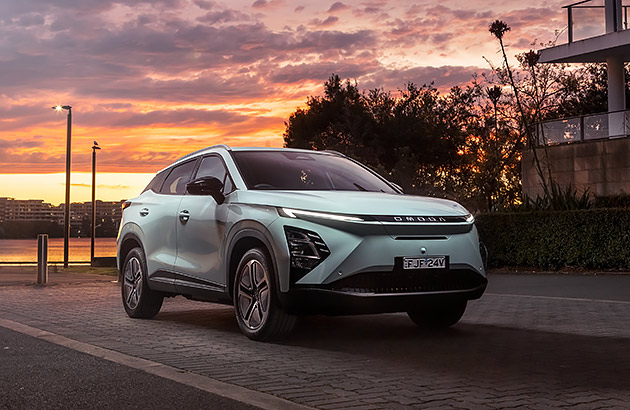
x,y
184,216
144,212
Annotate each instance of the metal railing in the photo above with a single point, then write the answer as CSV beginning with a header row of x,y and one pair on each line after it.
x,y
615,124
593,28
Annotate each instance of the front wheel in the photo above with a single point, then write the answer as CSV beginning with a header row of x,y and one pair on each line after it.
x,y
139,301
258,312
439,316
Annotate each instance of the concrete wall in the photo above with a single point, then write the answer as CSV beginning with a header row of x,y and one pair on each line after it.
x,y
603,166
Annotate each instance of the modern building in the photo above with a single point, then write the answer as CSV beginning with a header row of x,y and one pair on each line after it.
x,y
108,214
591,151
29,210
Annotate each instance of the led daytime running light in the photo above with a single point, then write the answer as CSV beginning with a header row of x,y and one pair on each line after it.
x,y
296,213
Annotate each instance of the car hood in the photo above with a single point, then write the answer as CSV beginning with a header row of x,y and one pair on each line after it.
x,y
354,202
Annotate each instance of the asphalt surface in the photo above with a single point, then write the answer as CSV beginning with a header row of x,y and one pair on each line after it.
x,y
532,341
35,374
27,275
613,287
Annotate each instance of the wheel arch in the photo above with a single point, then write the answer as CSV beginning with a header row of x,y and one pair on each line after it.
x,y
243,241
129,241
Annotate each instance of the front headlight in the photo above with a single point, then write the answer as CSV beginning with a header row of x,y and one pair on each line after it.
x,y
297,213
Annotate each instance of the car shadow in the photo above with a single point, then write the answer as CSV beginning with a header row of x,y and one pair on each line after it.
x,y
473,350
491,353
210,316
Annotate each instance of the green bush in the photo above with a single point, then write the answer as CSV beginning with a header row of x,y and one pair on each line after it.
x,y
612,201
590,238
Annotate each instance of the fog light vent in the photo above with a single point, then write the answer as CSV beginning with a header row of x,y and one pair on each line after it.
x,y
307,250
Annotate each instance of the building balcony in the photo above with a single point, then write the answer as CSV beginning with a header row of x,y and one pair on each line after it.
x,y
597,30
590,127
588,152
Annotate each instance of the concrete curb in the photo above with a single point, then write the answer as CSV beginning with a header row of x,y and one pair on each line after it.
x,y
206,384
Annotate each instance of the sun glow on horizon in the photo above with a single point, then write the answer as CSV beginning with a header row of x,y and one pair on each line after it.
x,y
51,187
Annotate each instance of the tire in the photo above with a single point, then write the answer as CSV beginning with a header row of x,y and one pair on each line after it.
x,y
138,299
258,312
439,316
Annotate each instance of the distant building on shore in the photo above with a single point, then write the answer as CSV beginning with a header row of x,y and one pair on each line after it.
x,y
108,214
31,210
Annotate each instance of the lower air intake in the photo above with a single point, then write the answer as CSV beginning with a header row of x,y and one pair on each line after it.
x,y
409,282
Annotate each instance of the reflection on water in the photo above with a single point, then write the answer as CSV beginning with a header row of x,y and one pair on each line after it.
x,y
25,250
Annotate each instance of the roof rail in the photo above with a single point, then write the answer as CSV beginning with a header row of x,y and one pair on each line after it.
x,y
226,147
332,151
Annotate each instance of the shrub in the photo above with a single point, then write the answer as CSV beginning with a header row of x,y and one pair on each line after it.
x,y
591,238
557,199
612,201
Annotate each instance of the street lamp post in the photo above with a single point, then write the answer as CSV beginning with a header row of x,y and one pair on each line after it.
x,y
94,148
66,229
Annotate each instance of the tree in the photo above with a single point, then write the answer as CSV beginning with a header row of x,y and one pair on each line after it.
x,y
414,139
466,144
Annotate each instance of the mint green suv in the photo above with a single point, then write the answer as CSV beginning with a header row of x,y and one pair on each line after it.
x,y
280,233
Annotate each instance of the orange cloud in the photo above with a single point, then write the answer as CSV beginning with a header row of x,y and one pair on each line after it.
x,y
151,81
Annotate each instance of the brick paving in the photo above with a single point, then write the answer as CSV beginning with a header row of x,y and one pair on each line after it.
x,y
507,352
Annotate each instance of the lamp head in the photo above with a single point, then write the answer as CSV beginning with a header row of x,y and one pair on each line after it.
x,y
61,107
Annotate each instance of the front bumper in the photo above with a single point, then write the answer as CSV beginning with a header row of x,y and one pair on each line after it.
x,y
384,292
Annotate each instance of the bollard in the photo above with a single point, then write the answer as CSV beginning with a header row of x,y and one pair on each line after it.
x,y
42,259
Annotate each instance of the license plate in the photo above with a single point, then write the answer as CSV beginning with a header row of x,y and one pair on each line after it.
x,y
425,262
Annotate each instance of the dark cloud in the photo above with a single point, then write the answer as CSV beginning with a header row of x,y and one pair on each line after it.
x,y
337,6
324,40
223,16
178,117
259,4
329,21
205,5
31,162
443,77
319,72
13,144
28,20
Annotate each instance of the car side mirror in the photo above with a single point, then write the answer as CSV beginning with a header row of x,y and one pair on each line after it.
x,y
207,186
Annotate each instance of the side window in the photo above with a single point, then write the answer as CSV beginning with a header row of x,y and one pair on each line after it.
x,y
213,166
176,181
156,182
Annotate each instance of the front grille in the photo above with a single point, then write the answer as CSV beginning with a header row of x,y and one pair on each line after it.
x,y
400,281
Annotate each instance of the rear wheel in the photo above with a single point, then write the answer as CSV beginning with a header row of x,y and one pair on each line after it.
x,y
258,312
139,301
438,316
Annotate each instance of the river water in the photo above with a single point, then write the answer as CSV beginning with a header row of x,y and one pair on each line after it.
x,y
25,250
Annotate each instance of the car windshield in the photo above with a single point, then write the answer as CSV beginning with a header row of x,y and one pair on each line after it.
x,y
290,170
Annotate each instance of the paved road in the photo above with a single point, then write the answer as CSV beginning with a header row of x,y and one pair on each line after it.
x,y
613,287
27,275
35,374
522,345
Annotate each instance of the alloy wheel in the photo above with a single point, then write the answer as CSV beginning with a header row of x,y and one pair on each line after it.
x,y
253,294
132,282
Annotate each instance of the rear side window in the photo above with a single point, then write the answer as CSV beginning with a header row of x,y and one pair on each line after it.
x,y
177,179
156,182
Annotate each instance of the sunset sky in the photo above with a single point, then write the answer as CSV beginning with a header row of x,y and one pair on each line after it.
x,y
153,80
